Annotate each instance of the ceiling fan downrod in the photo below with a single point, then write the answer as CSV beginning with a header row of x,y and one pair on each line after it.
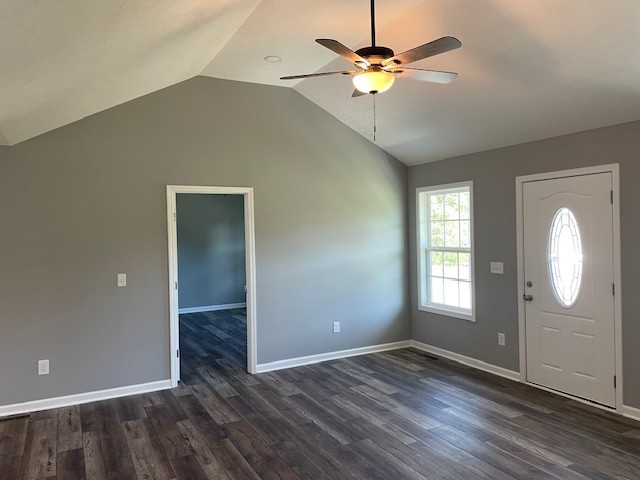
x,y
373,23
373,54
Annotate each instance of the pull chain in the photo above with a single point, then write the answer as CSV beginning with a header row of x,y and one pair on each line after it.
x,y
374,117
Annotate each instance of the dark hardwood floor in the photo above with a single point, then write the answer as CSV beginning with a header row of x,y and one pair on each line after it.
x,y
395,415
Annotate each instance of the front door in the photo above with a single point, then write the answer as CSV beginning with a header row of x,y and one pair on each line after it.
x,y
569,313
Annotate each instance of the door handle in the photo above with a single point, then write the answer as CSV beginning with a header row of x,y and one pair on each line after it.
x,y
527,298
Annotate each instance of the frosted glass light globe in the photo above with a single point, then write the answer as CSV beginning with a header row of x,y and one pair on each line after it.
x,y
373,82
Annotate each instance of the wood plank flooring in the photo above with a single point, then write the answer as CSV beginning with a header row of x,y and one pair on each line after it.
x,y
388,416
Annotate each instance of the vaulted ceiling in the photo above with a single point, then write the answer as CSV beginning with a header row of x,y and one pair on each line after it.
x,y
529,69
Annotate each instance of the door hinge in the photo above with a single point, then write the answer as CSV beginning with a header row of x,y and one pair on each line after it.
x,y
615,381
176,284
178,353
174,213
612,197
613,289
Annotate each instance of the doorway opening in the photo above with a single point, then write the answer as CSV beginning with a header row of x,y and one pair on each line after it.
x,y
569,283
211,278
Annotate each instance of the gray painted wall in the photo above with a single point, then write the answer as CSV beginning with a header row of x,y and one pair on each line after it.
x,y
493,173
211,252
87,201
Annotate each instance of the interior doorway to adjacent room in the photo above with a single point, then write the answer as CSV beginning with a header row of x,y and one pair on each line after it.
x,y
211,278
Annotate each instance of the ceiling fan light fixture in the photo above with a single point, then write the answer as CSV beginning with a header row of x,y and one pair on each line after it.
x,y
376,81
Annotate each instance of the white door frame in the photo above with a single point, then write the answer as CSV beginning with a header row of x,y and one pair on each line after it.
x,y
250,261
617,278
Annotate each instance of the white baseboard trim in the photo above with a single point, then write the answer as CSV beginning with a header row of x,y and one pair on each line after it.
x,y
77,399
212,308
323,357
470,362
631,412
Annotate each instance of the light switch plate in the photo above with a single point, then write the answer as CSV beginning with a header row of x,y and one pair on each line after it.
x,y
336,327
497,268
43,367
122,280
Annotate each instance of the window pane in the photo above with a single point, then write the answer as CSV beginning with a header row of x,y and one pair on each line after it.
x,y
465,295
437,234
465,238
437,295
463,267
465,206
451,206
451,294
437,207
451,264
565,257
437,260
452,234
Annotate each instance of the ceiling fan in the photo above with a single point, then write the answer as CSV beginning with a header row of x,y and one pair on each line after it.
x,y
377,67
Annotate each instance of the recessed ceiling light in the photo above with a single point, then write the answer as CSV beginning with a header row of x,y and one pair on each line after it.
x,y
272,58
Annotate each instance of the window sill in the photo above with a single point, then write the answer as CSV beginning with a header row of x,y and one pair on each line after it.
x,y
470,317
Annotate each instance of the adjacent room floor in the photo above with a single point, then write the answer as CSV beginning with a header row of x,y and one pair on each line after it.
x,y
212,338
395,415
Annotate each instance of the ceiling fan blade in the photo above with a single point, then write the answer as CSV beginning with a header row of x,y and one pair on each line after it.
x,y
358,93
343,51
319,74
432,76
430,49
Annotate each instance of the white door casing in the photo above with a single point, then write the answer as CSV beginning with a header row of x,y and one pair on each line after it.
x,y
570,313
250,261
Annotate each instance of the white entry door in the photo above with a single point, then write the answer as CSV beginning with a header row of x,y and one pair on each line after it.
x,y
568,292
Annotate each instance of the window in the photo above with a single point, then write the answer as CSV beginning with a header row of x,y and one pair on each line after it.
x,y
445,250
565,257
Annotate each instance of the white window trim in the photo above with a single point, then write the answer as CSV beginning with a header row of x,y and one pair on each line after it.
x,y
421,254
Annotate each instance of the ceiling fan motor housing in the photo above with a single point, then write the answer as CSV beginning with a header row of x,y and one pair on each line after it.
x,y
375,55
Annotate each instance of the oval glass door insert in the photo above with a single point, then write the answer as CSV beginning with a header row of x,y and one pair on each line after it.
x,y
565,257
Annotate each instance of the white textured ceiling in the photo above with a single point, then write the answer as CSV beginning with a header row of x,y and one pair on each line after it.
x,y
529,69
62,60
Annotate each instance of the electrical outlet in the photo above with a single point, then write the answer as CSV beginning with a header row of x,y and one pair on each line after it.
x,y
43,367
497,268
336,327
122,280
501,339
